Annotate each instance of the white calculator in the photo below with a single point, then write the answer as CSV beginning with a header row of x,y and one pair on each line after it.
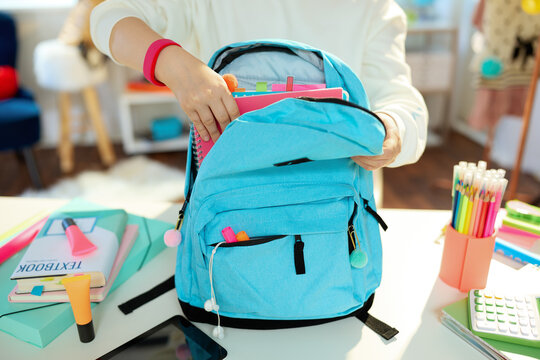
x,y
505,317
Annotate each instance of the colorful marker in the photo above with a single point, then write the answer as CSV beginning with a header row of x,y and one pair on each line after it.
x,y
476,198
78,242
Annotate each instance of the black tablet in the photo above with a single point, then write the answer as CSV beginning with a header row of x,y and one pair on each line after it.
x,y
175,339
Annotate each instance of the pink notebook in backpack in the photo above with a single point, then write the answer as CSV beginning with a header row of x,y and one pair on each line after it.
x,y
256,102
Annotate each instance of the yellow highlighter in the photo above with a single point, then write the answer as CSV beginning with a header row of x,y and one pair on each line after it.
x,y
468,215
78,290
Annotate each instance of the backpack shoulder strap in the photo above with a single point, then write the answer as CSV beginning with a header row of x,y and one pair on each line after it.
x,y
380,328
147,296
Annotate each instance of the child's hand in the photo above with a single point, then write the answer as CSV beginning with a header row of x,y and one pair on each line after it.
x,y
201,92
391,147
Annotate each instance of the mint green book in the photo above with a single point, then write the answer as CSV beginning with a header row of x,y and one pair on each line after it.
x,y
40,323
456,318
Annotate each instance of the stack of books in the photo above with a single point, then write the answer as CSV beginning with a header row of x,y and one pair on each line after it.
x,y
39,317
519,235
48,259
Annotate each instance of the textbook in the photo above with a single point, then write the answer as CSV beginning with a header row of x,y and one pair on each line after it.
x,y
255,101
96,294
48,258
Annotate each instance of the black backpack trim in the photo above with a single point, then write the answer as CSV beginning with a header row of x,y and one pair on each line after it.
x,y
200,315
197,314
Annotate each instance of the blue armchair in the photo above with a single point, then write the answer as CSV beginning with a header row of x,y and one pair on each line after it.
x,y
19,116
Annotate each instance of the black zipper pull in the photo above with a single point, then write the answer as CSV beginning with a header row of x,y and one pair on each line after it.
x,y
299,263
375,215
181,216
350,230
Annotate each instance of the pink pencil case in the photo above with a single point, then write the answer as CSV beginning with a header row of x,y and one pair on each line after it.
x,y
466,259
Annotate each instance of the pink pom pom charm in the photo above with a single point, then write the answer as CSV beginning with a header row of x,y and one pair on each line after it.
x,y
172,238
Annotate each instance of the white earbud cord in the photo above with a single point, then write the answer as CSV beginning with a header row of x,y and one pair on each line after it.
x,y
212,294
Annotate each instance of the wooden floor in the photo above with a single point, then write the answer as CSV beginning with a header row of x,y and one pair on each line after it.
x,y
424,185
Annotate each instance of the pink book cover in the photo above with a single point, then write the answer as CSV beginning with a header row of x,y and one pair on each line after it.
x,y
256,102
13,246
298,87
518,237
96,294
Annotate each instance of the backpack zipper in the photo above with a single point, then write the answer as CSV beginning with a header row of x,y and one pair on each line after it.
x,y
344,103
373,213
299,264
298,250
352,231
253,48
258,240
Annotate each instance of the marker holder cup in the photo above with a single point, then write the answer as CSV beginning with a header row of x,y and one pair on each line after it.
x,y
465,260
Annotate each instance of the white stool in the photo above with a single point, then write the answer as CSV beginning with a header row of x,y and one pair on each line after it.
x,y
62,68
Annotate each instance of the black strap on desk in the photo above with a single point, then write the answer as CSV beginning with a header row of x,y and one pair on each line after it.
x,y
147,296
385,331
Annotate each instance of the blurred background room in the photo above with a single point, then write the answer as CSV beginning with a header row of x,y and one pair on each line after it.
x,y
93,129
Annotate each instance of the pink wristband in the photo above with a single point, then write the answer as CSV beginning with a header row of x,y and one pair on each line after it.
x,y
151,57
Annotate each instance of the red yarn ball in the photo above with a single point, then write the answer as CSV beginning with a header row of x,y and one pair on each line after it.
x,y
8,82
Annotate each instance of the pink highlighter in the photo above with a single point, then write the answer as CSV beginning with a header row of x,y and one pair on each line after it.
x,y
229,235
78,242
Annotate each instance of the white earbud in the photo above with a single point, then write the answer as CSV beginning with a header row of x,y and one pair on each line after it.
x,y
210,305
218,332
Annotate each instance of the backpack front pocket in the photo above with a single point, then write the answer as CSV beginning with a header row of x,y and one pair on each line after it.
x,y
276,280
296,267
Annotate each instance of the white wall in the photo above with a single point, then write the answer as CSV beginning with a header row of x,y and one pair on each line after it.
x,y
42,20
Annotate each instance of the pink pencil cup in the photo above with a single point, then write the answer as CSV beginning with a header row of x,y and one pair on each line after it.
x,y
466,259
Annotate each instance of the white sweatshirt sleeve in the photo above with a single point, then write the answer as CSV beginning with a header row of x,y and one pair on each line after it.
x,y
387,79
155,13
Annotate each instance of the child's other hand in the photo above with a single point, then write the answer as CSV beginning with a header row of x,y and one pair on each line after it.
x,y
201,92
391,147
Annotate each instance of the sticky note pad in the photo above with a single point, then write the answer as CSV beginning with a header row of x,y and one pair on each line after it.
x,y
261,86
37,290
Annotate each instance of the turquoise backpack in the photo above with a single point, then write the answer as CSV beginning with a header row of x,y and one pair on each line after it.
x,y
283,174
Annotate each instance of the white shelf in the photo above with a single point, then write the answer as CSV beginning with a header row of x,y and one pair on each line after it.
x,y
432,72
432,54
431,27
137,109
35,5
140,97
148,146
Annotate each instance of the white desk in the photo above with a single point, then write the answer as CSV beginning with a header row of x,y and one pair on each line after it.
x,y
410,298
